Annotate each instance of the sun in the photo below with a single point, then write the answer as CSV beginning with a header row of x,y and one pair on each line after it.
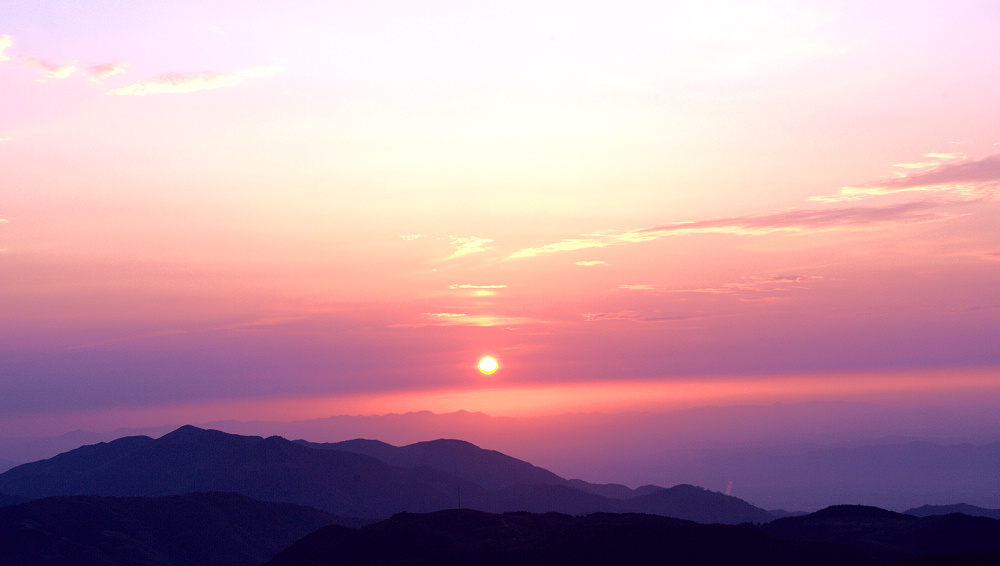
x,y
488,365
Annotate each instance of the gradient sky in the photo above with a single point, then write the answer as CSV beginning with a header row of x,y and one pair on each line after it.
x,y
243,209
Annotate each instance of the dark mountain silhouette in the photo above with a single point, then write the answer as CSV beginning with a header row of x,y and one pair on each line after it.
x,y
270,469
6,465
349,484
222,529
464,536
698,504
971,510
854,535
488,468
613,490
31,449
8,499
888,536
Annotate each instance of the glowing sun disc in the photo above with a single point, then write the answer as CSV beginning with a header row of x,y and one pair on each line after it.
x,y
488,365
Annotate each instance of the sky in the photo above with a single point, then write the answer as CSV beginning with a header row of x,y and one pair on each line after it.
x,y
224,210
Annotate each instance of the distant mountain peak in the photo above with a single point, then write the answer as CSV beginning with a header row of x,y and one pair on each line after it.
x,y
183,433
858,512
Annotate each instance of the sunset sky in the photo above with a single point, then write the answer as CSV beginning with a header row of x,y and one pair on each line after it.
x,y
246,209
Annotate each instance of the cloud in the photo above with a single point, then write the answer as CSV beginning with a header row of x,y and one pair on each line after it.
x,y
590,263
758,285
3,220
105,70
182,83
969,178
411,237
466,286
464,319
636,316
5,43
796,220
54,70
444,315
470,245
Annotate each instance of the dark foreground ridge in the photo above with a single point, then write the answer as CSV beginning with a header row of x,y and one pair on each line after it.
x,y
221,529
848,535
420,478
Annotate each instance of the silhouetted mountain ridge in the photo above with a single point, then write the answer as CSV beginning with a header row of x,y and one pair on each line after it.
x,y
222,529
971,510
191,459
841,535
489,468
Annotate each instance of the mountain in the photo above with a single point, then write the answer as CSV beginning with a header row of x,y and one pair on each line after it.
x,y
488,468
699,505
6,465
223,529
463,536
856,535
270,469
31,449
889,536
971,510
350,484
8,499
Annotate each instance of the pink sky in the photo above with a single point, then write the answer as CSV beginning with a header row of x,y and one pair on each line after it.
x,y
210,208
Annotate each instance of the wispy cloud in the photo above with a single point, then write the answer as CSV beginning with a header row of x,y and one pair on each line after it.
x,y
798,220
467,246
637,316
182,83
969,178
5,43
761,284
52,69
411,237
478,290
105,70
465,319
757,285
590,263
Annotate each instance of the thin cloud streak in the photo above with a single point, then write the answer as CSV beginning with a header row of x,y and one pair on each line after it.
x,y
54,70
183,83
465,319
5,43
969,178
811,220
105,70
467,246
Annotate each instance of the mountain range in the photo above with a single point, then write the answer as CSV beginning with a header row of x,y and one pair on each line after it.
x,y
222,529
841,535
422,478
197,496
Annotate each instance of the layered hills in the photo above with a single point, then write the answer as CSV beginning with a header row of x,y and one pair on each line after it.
x,y
222,529
418,478
197,496
841,535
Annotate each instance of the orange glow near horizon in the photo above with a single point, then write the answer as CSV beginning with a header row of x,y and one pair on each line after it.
x,y
976,385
